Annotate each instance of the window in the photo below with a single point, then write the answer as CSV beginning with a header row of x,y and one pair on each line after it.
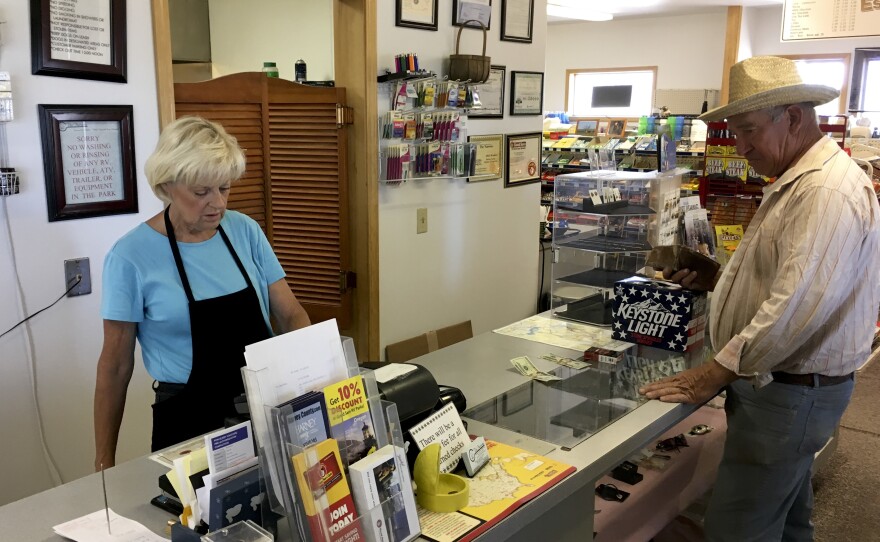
x,y
828,69
610,92
866,81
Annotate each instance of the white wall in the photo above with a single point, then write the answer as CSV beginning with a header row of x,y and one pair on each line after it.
x,y
687,51
246,34
765,31
64,342
479,258
745,35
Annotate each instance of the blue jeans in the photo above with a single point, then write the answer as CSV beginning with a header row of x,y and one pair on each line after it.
x,y
763,490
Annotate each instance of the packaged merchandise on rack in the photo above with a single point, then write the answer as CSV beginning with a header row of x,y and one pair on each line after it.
x,y
316,480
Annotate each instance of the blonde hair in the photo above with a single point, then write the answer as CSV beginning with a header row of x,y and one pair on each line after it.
x,y
194,151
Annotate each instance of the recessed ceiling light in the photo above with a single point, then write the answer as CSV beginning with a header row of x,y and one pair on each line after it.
x,y
581,14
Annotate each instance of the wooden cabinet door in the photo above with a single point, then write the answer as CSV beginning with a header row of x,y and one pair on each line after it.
x,y
295,184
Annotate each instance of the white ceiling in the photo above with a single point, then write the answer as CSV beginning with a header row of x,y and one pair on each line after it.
x,y
643,8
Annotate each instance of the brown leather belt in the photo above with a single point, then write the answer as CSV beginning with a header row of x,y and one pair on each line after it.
x,y
809,379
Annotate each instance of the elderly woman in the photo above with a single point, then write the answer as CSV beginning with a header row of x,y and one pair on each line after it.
x,y
194,285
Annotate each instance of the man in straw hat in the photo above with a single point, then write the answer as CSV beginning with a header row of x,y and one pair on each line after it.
x,y
793,314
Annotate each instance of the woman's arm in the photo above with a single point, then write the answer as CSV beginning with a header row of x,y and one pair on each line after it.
x,y
115,366
285,307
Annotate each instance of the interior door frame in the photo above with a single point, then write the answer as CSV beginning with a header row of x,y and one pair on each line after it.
x,y
354,37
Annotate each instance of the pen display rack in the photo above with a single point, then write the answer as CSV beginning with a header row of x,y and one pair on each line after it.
x,y
427,160
347,488
421,130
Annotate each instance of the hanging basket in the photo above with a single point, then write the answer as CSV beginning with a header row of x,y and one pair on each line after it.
x,y
469,67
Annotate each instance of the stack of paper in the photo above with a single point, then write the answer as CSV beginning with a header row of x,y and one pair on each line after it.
x,y
93,528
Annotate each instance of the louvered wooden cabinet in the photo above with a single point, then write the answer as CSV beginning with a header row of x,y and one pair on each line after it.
x,y
295,184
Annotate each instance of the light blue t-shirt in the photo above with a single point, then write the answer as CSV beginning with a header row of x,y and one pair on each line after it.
x,y
141,284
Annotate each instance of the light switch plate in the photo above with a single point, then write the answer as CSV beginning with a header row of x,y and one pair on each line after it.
x,y
422,220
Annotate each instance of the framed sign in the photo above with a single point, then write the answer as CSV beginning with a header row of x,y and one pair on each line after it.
x,y
616,128
517,20
88,156
526,93
522,159
489,157
471,10
417,14
491,95
84,39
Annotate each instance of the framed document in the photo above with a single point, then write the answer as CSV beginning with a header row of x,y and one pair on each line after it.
x,y
517,20
84,39
88,156
526,93
417,14
489,157
491,95
471,10
523,159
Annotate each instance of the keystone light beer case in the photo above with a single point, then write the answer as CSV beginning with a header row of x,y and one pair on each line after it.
x,y
659,314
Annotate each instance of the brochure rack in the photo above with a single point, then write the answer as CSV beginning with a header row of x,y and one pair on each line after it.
x,y
277,446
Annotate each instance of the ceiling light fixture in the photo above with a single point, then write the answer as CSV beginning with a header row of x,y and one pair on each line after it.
x,y
568,12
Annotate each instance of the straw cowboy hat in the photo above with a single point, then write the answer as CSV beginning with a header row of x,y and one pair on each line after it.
x,y
766,81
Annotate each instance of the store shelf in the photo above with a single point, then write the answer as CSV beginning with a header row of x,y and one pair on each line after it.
x,y
629,210
609,244
599,278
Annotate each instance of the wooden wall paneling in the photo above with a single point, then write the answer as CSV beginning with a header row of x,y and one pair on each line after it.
x,y
731,49
355,62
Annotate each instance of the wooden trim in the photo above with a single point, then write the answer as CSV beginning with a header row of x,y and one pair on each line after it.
x,y
568,74
847,76
162,53
731,49
354,36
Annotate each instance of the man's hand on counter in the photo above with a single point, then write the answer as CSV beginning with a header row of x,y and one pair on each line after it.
x,y
695,386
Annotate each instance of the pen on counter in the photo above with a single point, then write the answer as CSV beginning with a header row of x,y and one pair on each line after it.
x,y
106,507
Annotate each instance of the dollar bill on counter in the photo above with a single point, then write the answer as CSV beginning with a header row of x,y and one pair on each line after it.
x,y
526,368
565,362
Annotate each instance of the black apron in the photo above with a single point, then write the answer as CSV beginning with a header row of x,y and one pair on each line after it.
x,y
221,328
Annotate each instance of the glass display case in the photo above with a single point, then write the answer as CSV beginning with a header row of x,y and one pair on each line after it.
x,y
601,234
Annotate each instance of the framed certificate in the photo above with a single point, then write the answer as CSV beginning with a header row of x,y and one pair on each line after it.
x,y
417,14
471,10
88,156
526,93
489,157
491,95
517,20
523,159
79,38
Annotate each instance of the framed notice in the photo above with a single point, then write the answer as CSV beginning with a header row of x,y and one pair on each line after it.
x,y
489,157
517,18
526,93
491,95
84,39
471,10
417,14
523,159
88,156
816,20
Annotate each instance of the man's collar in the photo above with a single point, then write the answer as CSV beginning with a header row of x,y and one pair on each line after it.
x,y
812,160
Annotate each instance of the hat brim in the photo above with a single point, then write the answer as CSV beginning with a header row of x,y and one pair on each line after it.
x,y
794,94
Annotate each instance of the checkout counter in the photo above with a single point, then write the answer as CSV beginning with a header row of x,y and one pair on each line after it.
x,y
506,407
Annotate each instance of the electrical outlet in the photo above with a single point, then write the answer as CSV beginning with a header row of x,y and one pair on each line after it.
x,y
73,268
422,220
